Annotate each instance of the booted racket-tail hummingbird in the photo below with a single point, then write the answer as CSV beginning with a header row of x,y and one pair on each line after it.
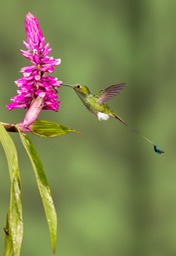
x,y
96,104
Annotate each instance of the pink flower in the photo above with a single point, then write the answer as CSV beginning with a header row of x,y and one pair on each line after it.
x,y
35,78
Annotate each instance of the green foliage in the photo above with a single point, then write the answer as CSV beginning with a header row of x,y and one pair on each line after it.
x,y
44,128
14,223
43,187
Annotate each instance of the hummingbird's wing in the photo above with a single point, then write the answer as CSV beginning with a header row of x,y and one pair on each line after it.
x,y
109,92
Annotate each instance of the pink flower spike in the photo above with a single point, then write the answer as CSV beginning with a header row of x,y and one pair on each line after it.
x,y
35,77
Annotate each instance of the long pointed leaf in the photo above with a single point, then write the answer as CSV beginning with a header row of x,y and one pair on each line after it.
x,y
44,128
14,224
43,188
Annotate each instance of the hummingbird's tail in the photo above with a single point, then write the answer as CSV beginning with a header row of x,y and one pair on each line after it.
x,y
156,148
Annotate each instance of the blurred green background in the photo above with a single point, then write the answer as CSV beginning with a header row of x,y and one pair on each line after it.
x,y
113,194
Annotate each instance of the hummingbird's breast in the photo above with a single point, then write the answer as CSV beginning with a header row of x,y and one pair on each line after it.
x,y
93,105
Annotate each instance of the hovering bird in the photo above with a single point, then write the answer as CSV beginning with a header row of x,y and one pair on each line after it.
x,y
96,104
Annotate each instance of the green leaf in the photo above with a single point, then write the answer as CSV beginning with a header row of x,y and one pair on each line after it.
x,y
43,187
14,223
44,128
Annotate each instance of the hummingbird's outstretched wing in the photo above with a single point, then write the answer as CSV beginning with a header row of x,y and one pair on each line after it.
x,y
109,92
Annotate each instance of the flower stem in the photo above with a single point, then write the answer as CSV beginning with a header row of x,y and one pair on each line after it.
x,y
9,127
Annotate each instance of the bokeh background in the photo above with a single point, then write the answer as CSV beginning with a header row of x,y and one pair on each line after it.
x,y
113,194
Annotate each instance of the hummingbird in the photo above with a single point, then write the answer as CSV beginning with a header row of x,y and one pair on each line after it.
x,y
96,104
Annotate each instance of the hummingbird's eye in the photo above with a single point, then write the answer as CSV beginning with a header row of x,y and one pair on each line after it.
x,y
78,86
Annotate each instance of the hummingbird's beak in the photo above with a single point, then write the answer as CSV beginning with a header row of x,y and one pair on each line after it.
x,y
69,85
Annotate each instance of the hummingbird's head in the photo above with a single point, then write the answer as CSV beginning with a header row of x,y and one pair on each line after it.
x,y
81,89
